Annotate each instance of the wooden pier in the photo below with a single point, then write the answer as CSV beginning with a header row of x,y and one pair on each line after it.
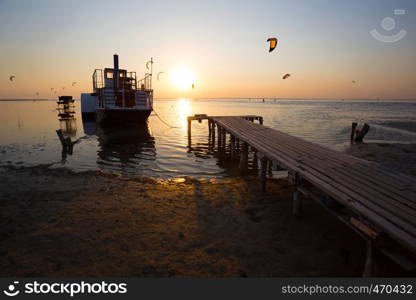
x,y
377,203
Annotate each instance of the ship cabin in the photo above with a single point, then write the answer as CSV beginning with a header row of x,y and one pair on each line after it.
x,y
117,88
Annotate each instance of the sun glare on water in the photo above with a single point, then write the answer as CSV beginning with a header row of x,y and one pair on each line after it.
x,y
183,79
184,110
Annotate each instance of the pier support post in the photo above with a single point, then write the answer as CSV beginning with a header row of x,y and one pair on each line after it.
x,y
373,266
263,173
261,120
219,131
189,128
255,160
213,133
209,129
232,146
297,204
369,267
270,168
243,157
297,199
224,139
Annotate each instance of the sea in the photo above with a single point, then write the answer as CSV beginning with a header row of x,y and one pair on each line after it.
x,y
161,148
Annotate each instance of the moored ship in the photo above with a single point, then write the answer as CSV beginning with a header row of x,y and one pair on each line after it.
x,y
118,97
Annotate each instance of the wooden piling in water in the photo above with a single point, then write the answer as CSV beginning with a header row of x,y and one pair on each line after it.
x,y
255,160
353,128
189,128
232,146
243,157
362,133
219,139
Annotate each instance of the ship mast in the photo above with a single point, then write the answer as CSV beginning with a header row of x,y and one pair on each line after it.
x,y
151,71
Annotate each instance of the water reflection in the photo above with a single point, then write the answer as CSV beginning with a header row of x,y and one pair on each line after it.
x,y
68,126
184,110
28,133
123,148
227,158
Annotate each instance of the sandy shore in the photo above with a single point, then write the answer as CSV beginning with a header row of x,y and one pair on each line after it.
x,y
56,223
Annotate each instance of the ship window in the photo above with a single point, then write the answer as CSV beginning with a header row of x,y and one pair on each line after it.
x,y
109,74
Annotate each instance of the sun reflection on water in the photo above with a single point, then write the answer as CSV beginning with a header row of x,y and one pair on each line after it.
x,y
184,110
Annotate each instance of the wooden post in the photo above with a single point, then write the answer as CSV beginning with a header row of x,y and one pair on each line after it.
x,y
213,133
362,133
243,157
261,120
224,139
189,128
209,129
219,130
369,268
297,203
255,160
232,146
297,199
270,168
353,127
263,173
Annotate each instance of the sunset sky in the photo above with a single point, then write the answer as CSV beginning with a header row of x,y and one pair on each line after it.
x,y
220,46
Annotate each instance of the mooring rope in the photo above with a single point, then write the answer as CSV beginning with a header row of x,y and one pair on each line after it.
x,y
163,121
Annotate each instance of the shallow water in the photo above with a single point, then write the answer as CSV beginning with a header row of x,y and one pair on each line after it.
x,y
28,133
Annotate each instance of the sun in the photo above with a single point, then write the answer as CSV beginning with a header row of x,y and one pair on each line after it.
x,y
183,79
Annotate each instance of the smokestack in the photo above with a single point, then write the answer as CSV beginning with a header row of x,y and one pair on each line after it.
x,y
115,62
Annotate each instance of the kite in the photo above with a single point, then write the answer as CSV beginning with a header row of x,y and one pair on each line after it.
x,y
51,89
159,74
74,83
12,77
63,88
353,81
273,43
286,76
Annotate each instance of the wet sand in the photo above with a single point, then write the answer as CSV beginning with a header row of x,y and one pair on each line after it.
x,y
56,223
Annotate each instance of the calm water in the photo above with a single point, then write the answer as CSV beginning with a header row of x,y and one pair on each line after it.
x,y
28,137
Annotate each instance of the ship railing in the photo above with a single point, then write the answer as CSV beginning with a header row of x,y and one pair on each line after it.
x,y
145,84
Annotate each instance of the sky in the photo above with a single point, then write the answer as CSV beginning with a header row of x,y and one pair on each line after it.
x,y
219,46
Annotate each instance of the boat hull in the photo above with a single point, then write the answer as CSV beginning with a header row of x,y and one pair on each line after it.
x,y
121,116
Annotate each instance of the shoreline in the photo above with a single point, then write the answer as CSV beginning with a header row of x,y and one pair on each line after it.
x,y
60,223
56,223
